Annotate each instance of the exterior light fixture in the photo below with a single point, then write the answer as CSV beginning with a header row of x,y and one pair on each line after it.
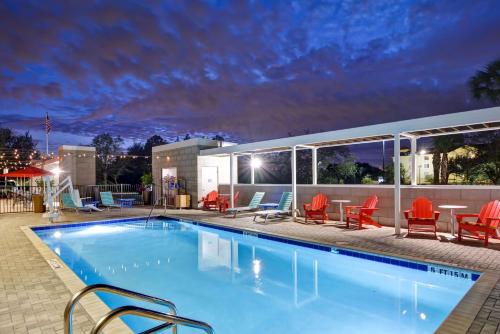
x,y
57,171
256,163
422,152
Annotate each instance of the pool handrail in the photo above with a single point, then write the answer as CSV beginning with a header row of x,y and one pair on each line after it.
x,y
171,320
68,311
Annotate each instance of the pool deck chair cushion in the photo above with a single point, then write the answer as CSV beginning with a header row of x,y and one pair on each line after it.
x,y
283,208
108,201
254,204
69,203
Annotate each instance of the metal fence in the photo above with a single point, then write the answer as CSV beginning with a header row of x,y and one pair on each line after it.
x,y
119,191
18,198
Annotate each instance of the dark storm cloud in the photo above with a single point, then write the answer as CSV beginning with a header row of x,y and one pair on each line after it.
x,y
251,70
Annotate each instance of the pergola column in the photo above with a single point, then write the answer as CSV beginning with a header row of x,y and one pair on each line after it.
x,y
231,179
397,184
294,182
315,166
252,169
413,160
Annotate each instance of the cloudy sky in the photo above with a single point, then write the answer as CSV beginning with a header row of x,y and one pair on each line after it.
x,y
248,70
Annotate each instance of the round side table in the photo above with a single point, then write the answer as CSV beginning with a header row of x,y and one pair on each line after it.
x,y
341,202
452,209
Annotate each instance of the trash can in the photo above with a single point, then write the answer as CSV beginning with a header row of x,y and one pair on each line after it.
x,y
38,206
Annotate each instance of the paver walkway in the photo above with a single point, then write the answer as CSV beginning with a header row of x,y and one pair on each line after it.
x,y
32,297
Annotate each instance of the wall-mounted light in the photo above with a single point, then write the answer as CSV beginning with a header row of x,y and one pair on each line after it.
x,y
422,152
256,163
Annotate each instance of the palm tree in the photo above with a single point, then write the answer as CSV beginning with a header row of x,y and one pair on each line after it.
x,y
486,83
442,146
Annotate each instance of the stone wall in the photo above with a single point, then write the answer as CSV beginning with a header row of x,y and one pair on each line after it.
x,y
183,156
79,163
472,196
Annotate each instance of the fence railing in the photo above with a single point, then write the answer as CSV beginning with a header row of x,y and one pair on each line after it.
x,y
18,198
119,191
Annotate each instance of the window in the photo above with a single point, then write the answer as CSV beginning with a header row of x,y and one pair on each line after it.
x,y
426,166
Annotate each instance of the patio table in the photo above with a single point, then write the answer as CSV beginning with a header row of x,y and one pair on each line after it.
x,y
452,207
126,202
341,202
268,206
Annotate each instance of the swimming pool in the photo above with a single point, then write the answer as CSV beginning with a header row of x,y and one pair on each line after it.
x,y
243,284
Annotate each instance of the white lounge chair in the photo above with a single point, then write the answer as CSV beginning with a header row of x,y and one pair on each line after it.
x,y
282,209
254,204
75,202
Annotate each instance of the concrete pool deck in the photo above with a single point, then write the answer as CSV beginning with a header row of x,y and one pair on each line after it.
x,y
33,295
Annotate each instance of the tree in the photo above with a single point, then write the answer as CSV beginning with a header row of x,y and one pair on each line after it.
x,y
218,138
346,171
463,166
488,148
136,164
107,147
187,136
328,158
442,146
152,141
24,144
486,83
6,138
403,173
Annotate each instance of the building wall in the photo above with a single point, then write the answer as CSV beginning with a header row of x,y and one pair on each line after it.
x,y
424,166
222,164
184,156
79,163
472,196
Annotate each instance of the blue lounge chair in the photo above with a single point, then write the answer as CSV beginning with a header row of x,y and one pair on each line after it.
x,y
254,204
108,201
283,208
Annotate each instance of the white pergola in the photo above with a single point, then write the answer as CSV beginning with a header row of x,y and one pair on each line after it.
x,y
462,122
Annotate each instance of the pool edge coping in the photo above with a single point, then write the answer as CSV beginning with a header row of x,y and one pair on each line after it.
x,y
466,309
91,304
459,320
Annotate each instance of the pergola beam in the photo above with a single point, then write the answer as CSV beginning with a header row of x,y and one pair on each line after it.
x,y
231,178
294,181
397,184
314,165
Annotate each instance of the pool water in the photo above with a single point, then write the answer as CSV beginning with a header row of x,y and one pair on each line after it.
x,y
242,284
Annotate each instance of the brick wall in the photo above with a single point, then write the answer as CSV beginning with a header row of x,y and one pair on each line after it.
x,y
473,197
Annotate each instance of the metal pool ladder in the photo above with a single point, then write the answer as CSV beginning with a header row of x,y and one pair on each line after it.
x,y
171,319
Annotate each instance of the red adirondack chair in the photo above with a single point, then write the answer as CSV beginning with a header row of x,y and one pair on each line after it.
x,y
317,209
487,222
422,215
211,201
362,214
224,202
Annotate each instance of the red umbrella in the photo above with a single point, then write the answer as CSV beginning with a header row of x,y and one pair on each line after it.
x,y
27,172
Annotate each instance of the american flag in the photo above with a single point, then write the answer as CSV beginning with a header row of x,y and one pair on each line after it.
x,y
48,125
